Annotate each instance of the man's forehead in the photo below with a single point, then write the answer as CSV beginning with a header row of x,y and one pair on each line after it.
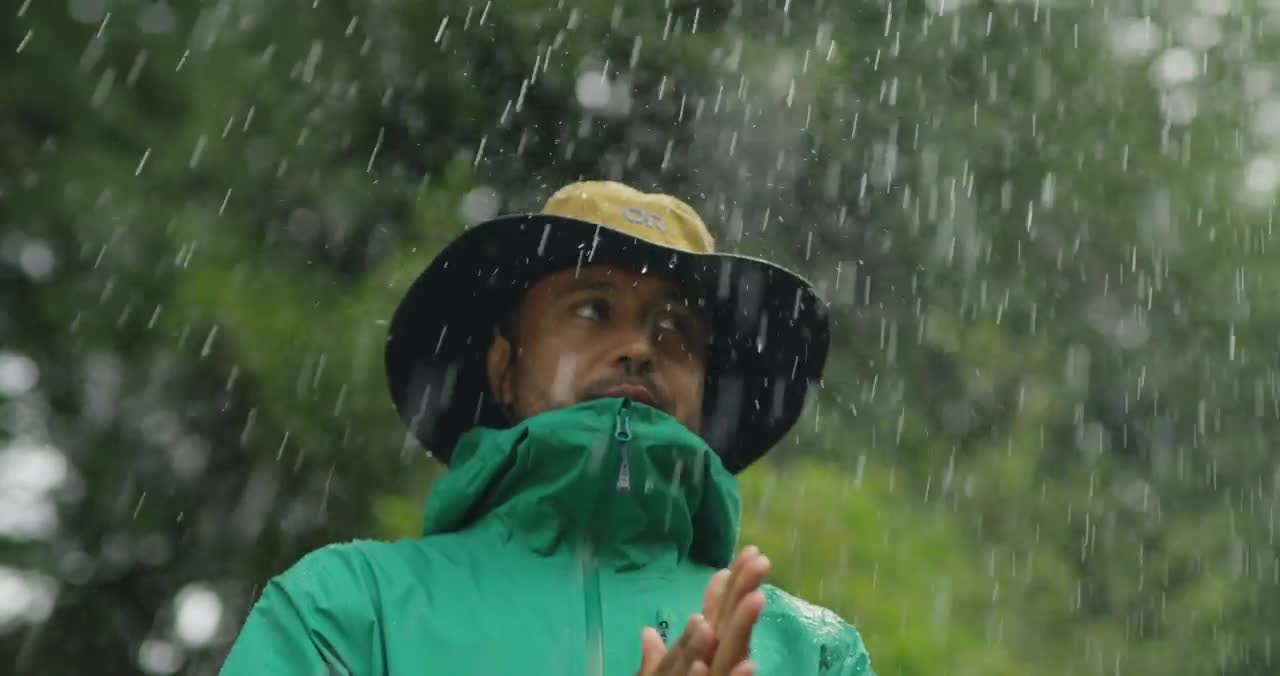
x,y
610,278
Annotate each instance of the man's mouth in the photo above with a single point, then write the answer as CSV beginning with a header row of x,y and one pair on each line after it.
x,y
637,393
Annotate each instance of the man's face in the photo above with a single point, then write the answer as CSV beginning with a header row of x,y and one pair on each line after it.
x,y
600,331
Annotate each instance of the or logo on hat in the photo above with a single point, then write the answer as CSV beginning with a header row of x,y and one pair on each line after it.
x,y
638,215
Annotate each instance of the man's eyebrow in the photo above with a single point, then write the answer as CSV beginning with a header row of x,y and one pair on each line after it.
x,y
685,303
678,299
590,285
674,298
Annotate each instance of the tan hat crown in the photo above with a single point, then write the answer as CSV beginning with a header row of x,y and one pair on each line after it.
x,y
660,219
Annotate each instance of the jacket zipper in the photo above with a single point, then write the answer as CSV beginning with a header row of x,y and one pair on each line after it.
x,y
591,564
664,625
622,432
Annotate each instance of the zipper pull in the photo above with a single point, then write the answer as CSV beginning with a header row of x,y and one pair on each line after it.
x,y
624,474
664,618
622,432
622,428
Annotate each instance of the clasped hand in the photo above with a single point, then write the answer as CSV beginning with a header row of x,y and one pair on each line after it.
x,y
716,641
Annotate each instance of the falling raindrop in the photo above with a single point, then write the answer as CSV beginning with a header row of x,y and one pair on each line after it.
x,y
207,348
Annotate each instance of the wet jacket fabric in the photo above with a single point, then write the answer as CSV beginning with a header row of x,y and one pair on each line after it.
x,y
548,547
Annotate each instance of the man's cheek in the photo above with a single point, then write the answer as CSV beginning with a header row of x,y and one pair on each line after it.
x,y
692,401
565,380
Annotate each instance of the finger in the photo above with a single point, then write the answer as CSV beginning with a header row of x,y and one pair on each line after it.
x,y
744,668
699,668
687,650
735,646
753,575
730,595
746,581
715,591
735,643
652,650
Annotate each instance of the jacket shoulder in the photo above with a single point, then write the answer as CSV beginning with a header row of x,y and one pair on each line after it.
x,y
333,576
368,561
345,559
839,644
319,616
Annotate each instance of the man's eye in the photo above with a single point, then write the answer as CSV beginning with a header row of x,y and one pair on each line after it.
x,y
591,310
675,322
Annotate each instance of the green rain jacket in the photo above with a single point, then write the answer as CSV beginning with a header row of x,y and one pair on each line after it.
x,y
548,547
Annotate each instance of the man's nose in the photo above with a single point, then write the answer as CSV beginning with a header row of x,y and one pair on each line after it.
x,y
635,350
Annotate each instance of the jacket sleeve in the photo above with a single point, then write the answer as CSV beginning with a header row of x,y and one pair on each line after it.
x,y
852,658
315,619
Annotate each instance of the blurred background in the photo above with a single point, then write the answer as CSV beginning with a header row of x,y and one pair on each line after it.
x,y
1045,228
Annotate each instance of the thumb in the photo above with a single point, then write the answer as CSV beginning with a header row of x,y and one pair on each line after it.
x,y
652,650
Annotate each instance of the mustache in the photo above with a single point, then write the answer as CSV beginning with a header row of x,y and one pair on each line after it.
x,y
598,388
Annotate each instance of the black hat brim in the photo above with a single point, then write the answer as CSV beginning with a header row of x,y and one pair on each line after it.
x,y
771,332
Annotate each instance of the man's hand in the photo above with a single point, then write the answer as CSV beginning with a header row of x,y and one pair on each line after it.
x,y
716,642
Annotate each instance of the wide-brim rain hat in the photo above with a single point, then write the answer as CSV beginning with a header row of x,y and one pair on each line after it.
x,y
769,330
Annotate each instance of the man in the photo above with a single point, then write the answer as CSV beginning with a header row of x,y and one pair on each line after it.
x,y
593,375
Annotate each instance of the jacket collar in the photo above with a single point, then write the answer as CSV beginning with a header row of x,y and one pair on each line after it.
x,y
624,479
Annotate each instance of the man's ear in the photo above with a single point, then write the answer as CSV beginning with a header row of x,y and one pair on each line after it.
x,y
498,367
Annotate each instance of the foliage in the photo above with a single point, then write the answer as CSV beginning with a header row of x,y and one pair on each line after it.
x,y
1044,228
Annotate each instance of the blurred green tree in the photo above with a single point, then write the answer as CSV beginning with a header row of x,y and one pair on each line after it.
x,y
1045,229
